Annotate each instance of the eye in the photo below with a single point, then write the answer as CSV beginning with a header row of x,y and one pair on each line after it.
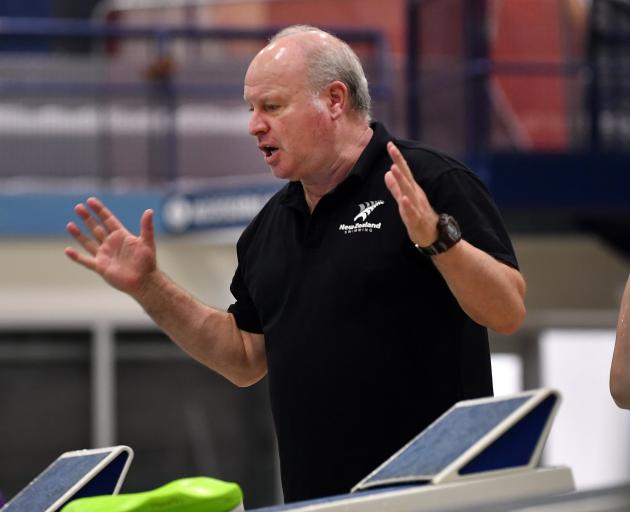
x,y
271,107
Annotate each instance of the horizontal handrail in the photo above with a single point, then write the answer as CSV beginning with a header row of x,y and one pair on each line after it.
x,y
67,28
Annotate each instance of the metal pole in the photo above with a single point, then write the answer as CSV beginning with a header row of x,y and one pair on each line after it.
x,y
103,386
476,76
593,91
414,112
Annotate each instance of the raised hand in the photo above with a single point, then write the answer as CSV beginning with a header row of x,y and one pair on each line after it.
x,y
417,214
124,260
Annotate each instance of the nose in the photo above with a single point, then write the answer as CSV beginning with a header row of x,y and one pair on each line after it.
x,y
257,124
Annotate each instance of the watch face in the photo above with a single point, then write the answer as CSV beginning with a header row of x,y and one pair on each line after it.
x,y
453,231
448,235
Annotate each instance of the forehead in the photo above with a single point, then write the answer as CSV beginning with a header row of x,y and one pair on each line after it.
x,y
277,69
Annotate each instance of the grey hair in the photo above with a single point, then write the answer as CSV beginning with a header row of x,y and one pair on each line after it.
x,y
327,63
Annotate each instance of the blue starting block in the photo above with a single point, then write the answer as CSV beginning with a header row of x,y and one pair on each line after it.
x,y
479,452
74,475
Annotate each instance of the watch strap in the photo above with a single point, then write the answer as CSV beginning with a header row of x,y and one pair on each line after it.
x,y
433,249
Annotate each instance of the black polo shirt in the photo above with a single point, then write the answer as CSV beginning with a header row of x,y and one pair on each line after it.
x,y
365,343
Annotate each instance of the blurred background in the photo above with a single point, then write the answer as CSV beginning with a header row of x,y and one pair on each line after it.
x,y
140,102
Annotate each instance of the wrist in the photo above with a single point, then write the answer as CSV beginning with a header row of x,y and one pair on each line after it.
x,y
428,233
448,234
147,287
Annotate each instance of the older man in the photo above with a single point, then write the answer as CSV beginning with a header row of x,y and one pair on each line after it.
x,y
364,287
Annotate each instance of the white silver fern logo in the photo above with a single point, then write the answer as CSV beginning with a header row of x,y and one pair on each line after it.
x,y
366,208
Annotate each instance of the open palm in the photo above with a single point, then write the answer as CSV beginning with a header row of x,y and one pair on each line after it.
x,y
123,259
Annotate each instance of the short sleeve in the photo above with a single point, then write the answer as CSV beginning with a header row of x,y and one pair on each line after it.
x,y
460,193
243,309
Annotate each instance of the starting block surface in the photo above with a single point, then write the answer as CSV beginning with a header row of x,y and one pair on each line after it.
x,y
472,438
73,475
478,452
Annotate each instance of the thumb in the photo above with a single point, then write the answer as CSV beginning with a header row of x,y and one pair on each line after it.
x,y
147,231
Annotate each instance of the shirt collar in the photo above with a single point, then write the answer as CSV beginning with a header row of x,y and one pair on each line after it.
x,y
373,152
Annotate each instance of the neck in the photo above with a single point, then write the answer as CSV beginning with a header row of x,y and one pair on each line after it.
x,y
316,188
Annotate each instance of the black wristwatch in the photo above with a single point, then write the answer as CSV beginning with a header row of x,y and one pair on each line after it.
x,y
448,235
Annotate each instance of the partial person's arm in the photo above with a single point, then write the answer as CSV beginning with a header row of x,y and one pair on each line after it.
x,y
620,368
129,264
489,291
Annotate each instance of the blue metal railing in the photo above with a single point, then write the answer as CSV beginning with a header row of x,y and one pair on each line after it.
x,y
164,87
164,36
476,69
607,60
583,186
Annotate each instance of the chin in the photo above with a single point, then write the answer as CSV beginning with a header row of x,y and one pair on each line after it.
x,y
282,174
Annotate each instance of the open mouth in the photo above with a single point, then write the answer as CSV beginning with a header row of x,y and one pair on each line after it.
x,y
269,150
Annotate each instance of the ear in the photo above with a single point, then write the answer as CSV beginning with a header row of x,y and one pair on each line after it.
x,y
337,98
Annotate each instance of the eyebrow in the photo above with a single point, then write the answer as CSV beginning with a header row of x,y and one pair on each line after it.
x,y
265,98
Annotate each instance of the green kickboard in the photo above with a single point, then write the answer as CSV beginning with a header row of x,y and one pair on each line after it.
x,y
196,494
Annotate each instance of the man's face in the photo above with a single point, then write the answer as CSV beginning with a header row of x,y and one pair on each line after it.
x,y
290,122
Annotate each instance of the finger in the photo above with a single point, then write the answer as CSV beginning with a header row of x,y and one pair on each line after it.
x,y
408,187
74,255
90,222
392,184
405,205
109,220
399,160
401,169
408,213
88,244
147,232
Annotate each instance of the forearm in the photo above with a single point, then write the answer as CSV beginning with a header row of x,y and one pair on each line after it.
x,y
208,335
490,292
620,368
